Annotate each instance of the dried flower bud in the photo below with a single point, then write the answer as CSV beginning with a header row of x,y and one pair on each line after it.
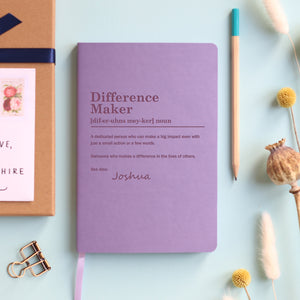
x,y
286,97
241,278
283,166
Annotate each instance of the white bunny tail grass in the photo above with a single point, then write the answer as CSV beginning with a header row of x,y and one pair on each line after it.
x,y
277,15
226,297
268,252
280,22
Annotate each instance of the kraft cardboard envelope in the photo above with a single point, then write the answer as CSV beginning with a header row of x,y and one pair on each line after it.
x,y
35,30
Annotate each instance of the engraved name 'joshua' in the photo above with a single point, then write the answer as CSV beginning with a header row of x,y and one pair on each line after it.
x,y
131,176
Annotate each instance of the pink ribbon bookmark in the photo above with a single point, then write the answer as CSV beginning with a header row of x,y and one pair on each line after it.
x,y
79,276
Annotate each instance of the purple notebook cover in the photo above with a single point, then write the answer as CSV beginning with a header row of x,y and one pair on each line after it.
x,y
147,148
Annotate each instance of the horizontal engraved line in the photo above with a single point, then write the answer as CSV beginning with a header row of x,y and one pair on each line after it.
x,y
148,126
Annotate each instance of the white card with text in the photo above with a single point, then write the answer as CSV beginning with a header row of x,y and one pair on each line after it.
x,y
17,134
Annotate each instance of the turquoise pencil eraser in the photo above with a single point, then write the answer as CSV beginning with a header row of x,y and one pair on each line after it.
x,y
235,27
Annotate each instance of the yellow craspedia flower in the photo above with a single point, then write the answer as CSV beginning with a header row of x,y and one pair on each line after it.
x,y
286,97
241,278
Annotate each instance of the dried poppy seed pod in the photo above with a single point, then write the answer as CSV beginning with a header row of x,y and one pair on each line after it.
x,y
283,167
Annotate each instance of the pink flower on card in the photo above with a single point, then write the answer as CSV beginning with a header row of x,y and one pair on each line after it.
x,y
6,105
15,104
10,91
19,90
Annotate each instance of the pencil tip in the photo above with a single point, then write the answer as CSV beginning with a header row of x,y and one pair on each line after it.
x,y
235,178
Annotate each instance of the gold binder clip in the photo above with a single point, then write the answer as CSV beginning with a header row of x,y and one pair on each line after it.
x,y
36,255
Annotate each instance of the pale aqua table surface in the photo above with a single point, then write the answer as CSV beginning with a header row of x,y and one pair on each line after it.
x,y
267,65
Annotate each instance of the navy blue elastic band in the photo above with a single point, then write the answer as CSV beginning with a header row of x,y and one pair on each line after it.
x,y
7,22
27,55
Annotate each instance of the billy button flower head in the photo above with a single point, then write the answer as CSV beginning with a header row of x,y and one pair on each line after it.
x,y
286,97
241,278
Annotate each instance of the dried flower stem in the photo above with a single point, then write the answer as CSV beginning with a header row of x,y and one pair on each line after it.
x,y
295,190
273,285
247,293
294,49
298,65
295,129
297,199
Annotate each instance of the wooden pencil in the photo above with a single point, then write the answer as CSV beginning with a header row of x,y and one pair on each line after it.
x,y
235,93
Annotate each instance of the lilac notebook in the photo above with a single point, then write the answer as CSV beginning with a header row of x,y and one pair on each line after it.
x,y
147,148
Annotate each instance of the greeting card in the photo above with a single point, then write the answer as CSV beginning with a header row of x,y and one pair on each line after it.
x,y
17,137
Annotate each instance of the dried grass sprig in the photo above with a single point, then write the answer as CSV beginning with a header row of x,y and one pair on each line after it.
x,y
277,15
226,297
280,22
269,256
